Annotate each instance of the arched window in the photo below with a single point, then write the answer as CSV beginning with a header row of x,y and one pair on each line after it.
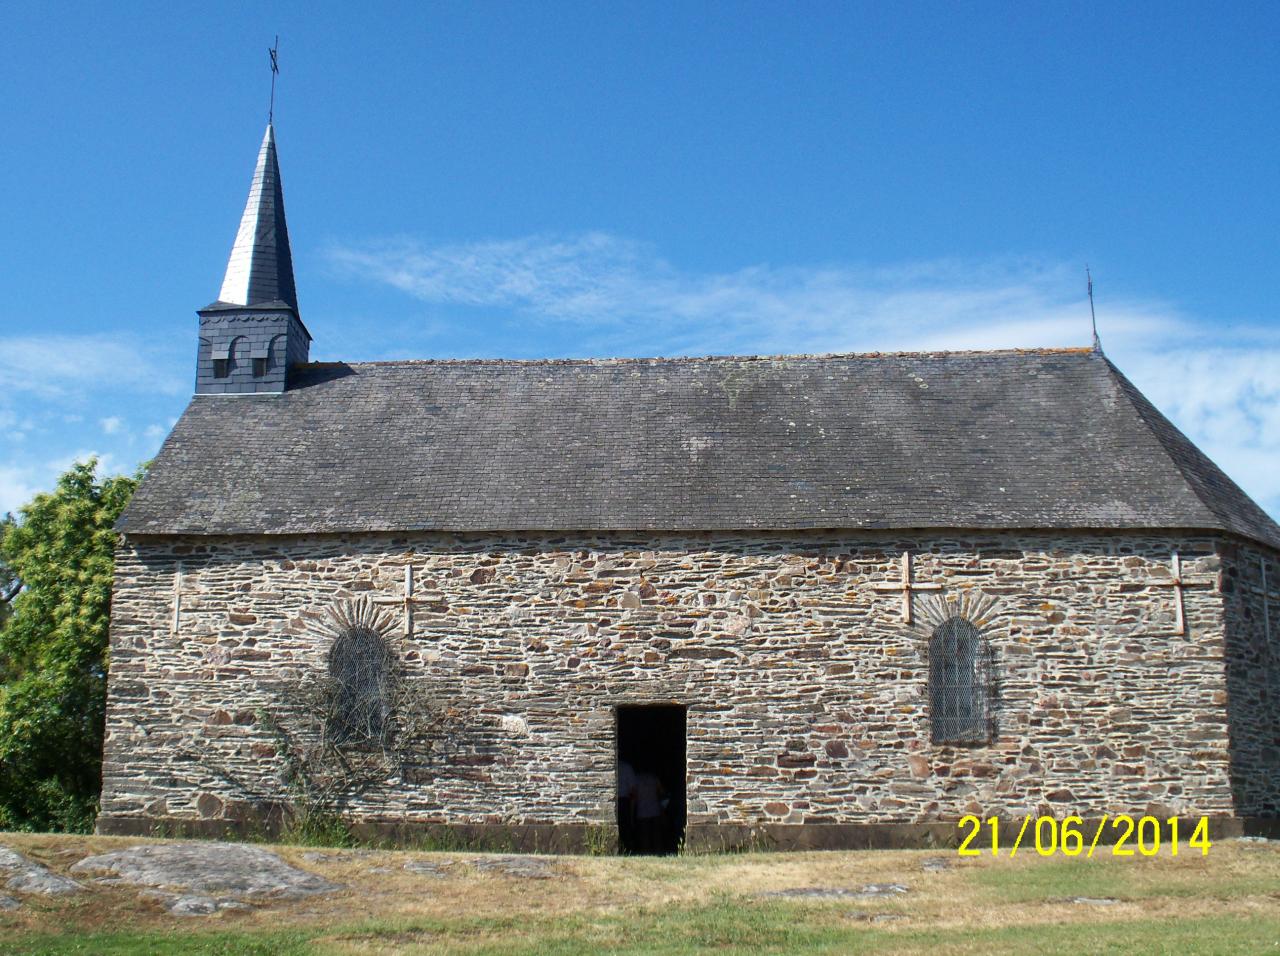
x,y
360,667
959,683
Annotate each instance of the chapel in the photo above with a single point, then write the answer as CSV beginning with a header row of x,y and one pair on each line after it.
x,y
806,600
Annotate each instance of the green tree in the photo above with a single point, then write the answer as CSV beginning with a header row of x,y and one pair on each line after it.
x,y
59,554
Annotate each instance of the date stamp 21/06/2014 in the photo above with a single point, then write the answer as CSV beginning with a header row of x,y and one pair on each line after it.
x,y
1121,836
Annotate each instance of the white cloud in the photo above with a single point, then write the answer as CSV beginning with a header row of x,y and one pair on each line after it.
x,y
618,297
19,484
155,433
16,488
618,291
111,426
53,366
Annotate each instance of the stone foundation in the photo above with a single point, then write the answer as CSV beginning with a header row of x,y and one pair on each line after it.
x,y
806,692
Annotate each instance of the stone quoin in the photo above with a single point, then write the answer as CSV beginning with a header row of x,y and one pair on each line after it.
x,y
760,562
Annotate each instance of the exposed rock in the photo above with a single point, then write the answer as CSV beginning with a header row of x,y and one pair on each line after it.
x,y
230,868
320,856
876,917
27,876
527,867
427,868
878,890
812,893
1094,900
9,903
191,904
936,864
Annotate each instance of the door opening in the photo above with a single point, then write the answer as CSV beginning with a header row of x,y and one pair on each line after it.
x,y
651,781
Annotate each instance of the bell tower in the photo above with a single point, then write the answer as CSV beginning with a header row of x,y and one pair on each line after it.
x,y
253,335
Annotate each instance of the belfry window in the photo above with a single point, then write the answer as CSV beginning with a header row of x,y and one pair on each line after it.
x,y
221,355
360,668
959,684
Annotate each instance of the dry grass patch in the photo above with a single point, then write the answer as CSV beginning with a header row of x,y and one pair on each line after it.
x,y
1227,902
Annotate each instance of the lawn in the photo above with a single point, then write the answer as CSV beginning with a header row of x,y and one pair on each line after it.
x,y
1227,902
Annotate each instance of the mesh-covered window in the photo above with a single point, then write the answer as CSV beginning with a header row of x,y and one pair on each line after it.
x,y
360,667
959,684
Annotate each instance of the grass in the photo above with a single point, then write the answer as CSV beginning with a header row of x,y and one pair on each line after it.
x,y
1228,902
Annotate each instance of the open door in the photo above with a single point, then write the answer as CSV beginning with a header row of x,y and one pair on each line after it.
x,y
651,778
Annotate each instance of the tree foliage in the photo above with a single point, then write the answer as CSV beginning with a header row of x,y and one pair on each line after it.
x,y
59,559
9,585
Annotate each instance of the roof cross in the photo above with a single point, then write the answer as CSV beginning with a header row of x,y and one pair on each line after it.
x,y
907,587
1178,582
275,70
406,601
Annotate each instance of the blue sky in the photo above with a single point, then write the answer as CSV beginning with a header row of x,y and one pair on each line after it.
x,y
578,179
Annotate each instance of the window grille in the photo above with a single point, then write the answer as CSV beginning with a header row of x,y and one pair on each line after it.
x,y
959,684
360,667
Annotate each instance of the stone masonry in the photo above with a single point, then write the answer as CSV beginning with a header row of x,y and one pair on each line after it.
x,y
806,691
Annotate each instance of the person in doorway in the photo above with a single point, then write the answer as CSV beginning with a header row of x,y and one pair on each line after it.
x,y
649,798
626,794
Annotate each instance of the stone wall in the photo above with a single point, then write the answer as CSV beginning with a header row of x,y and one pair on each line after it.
x,y
806,691
1253,676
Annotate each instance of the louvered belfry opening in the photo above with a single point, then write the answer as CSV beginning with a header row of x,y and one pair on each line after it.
x,y
360,667
959,684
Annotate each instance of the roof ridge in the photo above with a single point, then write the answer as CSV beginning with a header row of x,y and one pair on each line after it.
x,y
641,360
1177,447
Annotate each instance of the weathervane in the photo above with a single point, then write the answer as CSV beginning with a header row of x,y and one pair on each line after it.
x,y
275,69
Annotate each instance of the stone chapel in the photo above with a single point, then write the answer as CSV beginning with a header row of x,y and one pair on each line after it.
x,y
827,600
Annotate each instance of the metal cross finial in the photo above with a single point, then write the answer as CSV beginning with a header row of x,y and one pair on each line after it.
x,y
907,587
1097,342
275,69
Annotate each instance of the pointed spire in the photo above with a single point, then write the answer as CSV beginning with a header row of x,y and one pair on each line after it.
x,y
260,269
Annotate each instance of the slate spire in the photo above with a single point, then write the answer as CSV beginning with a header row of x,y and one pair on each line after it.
x,y
260,270
252,337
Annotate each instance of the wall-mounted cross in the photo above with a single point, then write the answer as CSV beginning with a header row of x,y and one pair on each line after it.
x,y
406,601
1268,594
175,620
907,587
1179,582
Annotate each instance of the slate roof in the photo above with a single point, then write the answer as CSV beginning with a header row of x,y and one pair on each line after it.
x,y
973,440
260,268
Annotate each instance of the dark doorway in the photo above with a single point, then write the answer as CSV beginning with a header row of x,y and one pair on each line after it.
x,y
650,778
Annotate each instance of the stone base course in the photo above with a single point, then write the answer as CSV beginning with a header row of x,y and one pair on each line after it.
x,y
704,838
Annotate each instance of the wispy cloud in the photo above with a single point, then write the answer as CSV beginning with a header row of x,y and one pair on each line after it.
x,y
613,296
57,366
64,392
621,293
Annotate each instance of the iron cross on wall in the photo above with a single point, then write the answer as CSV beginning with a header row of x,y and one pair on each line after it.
x,y
907,587
406,601
1179,582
